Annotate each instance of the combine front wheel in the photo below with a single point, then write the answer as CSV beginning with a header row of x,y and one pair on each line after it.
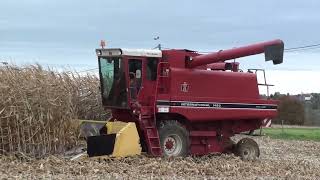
x,y
247,149
174,139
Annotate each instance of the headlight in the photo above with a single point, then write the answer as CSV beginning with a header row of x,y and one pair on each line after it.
x,y
99,52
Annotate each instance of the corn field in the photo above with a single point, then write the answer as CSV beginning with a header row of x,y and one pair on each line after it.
x,y
38,109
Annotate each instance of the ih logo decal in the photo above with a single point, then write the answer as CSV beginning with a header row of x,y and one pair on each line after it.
x,y
184,87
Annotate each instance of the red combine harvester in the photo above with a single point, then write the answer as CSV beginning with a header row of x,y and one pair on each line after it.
x,y
183,102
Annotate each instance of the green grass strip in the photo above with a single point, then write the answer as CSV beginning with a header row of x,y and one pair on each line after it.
x,y
293,133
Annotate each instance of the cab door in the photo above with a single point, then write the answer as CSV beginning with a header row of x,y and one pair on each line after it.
x,y
135,73
142,72
147,94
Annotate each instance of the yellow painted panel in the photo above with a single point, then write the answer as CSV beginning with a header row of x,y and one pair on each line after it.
x,y
127,142
115,127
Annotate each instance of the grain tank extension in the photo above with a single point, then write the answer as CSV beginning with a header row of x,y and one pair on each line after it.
x,y
184,102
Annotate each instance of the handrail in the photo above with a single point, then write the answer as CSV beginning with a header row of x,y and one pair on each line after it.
x,y
265,79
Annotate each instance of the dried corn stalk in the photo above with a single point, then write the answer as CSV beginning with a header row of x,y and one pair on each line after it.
x,y
37,108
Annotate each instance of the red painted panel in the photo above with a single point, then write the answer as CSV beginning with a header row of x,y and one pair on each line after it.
x,y
210,114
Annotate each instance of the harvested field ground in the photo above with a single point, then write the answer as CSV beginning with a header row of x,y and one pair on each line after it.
x,y
280,159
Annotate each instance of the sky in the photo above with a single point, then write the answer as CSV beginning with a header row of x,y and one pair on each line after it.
x,y
65,33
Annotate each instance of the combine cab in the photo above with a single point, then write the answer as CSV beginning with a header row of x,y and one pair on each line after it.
x,y
182,102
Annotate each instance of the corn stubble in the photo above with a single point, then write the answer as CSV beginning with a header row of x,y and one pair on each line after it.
x,y
280,159
38,108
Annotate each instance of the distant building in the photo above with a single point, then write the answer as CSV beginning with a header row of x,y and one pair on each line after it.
x,y
302,97
308,98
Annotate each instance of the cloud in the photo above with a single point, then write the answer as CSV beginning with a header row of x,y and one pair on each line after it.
x,y
67,32
294,82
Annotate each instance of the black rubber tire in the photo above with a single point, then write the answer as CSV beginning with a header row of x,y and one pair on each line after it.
x,y
248,149
170,128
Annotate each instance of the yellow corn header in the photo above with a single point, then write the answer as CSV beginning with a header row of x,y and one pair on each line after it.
x,y
119,139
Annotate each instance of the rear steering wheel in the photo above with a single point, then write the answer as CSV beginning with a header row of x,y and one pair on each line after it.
x,y
247,149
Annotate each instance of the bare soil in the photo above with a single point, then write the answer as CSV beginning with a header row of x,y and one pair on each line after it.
x,y
280,159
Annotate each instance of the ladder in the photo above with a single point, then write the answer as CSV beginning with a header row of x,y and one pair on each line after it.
x,y
150,132
148,113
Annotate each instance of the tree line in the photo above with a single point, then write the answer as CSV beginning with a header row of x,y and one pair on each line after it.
x,y
297,109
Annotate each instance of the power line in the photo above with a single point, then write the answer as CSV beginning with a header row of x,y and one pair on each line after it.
x,y
304,47
293,49
87,70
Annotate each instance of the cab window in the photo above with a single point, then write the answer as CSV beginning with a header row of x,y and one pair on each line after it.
x,y
135,76
152,65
